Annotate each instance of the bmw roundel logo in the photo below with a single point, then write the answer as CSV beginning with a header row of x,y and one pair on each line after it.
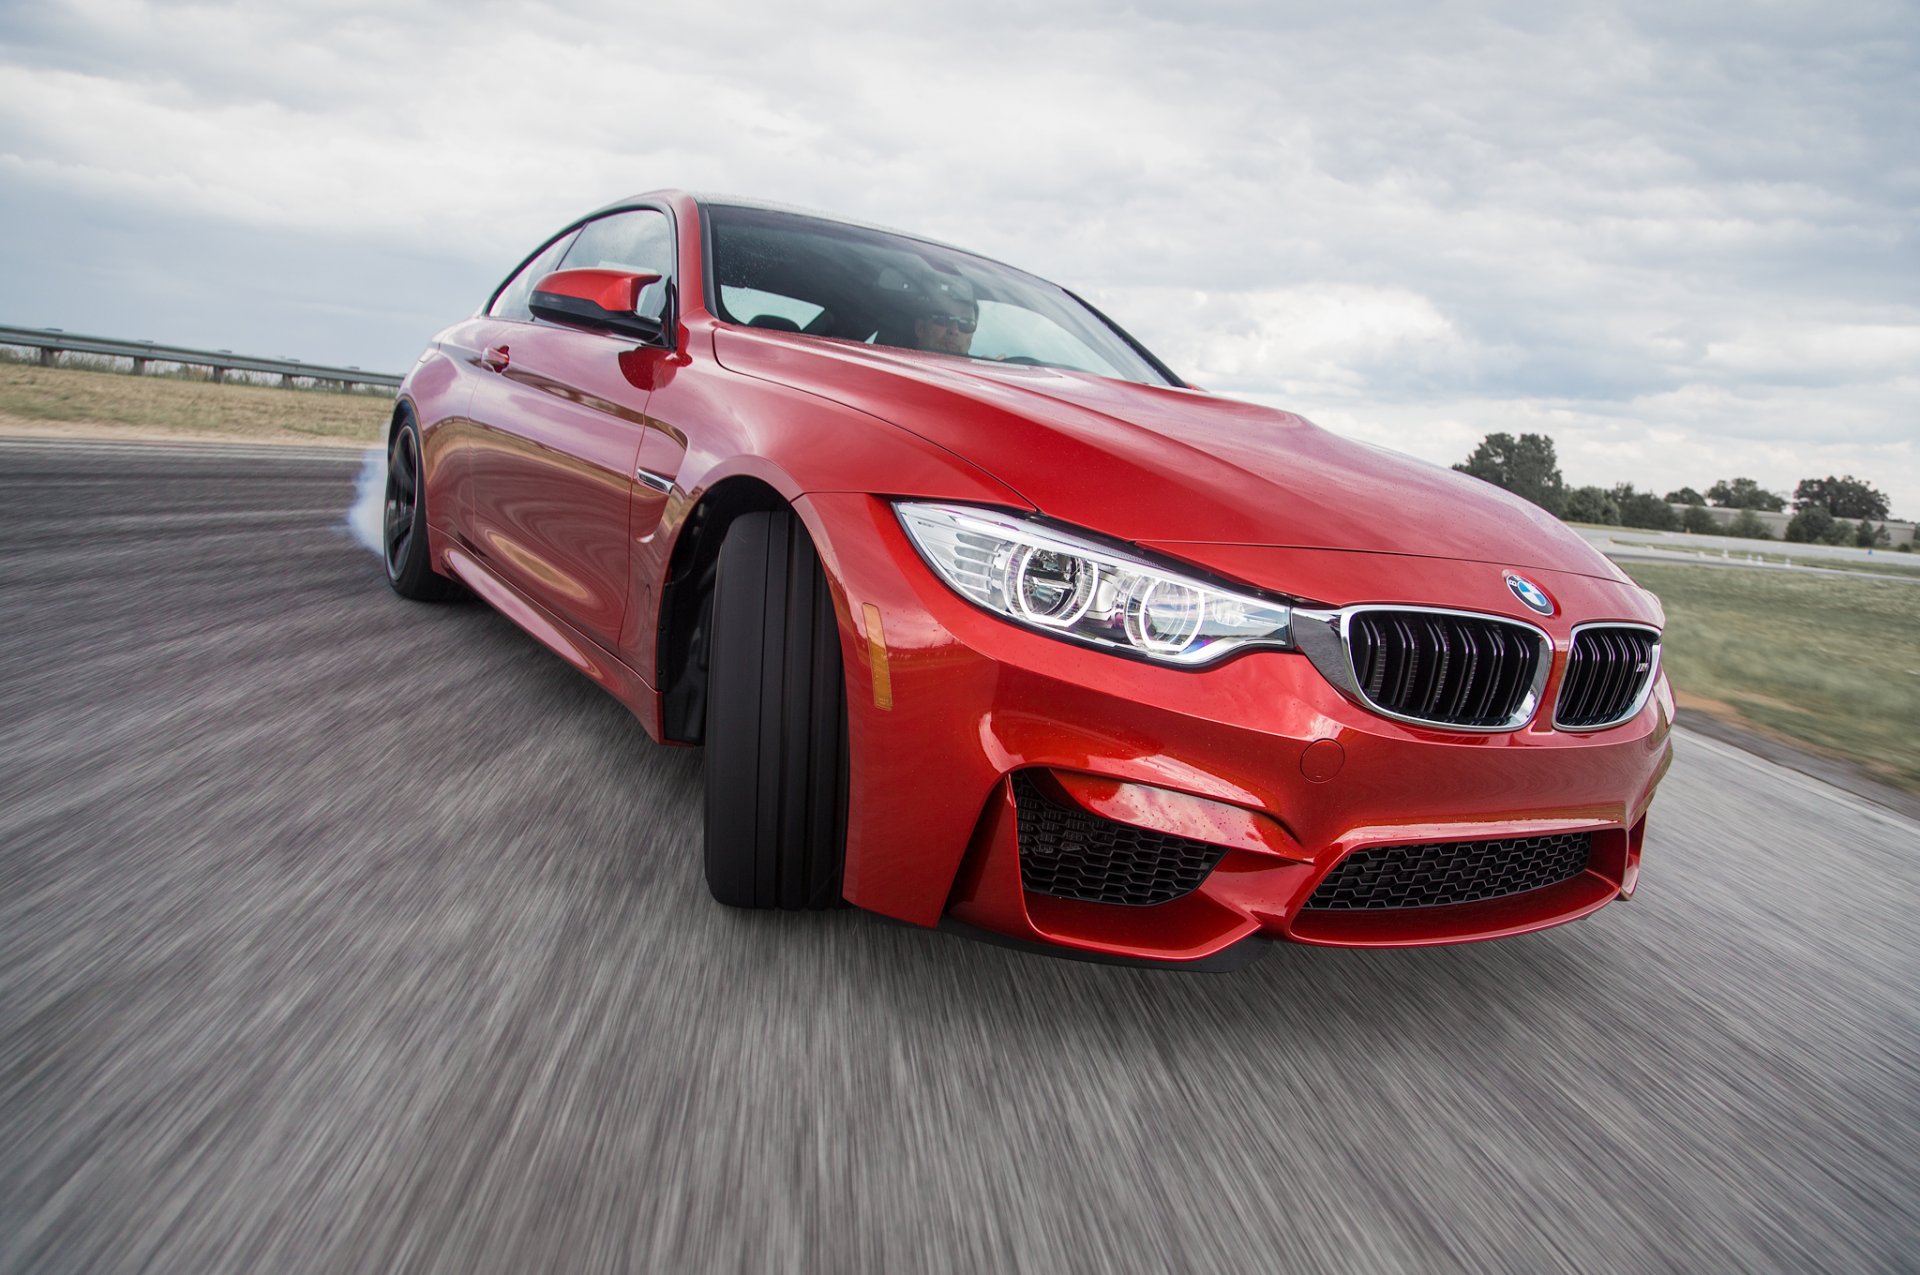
x,y
1530,593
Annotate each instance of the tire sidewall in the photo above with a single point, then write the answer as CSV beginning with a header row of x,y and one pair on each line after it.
x,y
773,620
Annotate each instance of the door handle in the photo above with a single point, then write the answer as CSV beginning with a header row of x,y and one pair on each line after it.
x,y
495,357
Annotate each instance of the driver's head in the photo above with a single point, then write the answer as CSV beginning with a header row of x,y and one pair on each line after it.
x,y
946,324
948,330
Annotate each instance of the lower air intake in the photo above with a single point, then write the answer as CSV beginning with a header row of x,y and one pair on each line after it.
x,y
1435,875
1070,854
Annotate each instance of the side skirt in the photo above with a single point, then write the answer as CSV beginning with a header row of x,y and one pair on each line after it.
x,y
599,666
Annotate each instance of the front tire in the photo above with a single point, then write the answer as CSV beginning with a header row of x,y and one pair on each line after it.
x,y
776,738
404,523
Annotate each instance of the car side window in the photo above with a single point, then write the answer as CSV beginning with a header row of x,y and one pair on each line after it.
x,y
762,309
511,301
640,239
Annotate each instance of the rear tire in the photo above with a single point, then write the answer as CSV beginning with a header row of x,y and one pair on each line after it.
x,y
776,738
404,523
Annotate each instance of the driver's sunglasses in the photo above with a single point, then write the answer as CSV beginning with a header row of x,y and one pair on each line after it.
x,y
958,322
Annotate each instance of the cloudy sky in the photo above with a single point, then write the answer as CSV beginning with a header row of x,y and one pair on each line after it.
x,y
1682,239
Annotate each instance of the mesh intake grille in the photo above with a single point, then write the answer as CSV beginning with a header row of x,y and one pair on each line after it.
x,y
1071,854
1607,670
1451,670
1440,873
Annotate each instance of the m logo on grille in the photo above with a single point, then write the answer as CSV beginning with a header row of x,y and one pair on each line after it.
x,y
1530,593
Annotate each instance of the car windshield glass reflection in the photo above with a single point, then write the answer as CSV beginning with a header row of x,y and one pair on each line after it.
x,y
792,273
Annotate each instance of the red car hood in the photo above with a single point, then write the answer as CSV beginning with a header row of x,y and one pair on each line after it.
x,y
1170,466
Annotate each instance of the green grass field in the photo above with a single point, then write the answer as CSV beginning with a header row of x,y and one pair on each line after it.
x,y
1825,661
61,400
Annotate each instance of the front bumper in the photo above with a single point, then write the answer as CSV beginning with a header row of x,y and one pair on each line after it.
x,y
1260,754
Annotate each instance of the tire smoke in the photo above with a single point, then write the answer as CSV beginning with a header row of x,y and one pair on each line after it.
x,y
370,490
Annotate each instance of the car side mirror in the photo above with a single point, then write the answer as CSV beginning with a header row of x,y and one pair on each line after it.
x,y
599,299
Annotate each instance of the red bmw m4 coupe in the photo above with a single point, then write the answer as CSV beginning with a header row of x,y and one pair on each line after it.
x,y
985,617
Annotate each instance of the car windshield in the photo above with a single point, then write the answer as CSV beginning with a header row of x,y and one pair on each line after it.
x,y
794,273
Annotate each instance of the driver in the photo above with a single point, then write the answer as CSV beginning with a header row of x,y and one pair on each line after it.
x,y
946,325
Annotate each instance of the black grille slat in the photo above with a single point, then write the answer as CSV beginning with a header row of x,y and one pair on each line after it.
x,y
1482,705
1607,671
1450,670
1573,692
1603,666
1366,656
1523,657
1071,854
1619,671
1576,692
1434,684
1502,672
1415,649
1375,675
1440,874
1625,686
1607,668
1466,669
1407,647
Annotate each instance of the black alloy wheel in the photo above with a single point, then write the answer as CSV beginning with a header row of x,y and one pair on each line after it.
x,y
404,524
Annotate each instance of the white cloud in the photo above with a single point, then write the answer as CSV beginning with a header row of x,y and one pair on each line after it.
x,y
1827,352
1316,338
1679,238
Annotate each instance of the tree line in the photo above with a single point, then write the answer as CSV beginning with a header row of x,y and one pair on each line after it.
x,y
1831,510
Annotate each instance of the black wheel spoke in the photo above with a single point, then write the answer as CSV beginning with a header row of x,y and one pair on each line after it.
x,y
400,469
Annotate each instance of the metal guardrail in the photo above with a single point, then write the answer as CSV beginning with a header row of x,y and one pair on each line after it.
x,y
53,341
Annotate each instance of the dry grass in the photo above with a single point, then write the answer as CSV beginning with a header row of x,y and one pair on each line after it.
x,y
112,404
1826,661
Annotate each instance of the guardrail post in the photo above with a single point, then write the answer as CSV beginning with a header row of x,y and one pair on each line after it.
x,y
218,375
46,355
139,367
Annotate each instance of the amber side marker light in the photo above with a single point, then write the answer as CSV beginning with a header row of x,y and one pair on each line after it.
x,y
877,659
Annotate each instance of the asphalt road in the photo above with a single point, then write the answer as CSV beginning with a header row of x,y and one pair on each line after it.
x,y
339,933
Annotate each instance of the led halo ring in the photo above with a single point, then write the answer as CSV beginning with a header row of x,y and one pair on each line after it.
x,y
1140,629
1085,574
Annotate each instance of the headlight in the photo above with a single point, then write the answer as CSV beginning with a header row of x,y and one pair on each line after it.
x,y
1087,592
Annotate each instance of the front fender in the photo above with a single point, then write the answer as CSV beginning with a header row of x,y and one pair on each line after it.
x,y
792,444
